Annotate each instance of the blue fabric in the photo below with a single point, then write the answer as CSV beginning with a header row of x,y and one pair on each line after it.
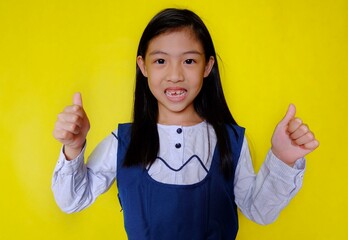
x,y
158,211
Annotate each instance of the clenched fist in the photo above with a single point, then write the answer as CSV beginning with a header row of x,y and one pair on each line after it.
x,y
71,128
292,139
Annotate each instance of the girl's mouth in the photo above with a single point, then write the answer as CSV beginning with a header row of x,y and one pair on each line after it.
x,y
175,93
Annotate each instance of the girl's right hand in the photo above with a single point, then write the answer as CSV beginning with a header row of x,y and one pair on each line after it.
x,y
72,127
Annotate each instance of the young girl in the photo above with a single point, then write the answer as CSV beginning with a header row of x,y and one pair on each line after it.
x,y
183,166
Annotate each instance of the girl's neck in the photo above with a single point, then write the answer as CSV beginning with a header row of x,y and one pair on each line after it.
x,y
180,119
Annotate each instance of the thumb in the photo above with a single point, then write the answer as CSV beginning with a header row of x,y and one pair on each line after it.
x,y
77,99
290,114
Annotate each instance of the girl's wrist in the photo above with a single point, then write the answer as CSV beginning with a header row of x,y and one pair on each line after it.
x,y
71,152
288,162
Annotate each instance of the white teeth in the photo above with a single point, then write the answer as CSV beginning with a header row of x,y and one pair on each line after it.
x,y
175,92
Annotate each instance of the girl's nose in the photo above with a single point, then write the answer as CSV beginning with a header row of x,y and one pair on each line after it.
x,y
175,73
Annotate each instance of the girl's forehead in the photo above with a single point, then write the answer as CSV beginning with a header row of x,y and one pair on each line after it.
x,y
183,38
188,31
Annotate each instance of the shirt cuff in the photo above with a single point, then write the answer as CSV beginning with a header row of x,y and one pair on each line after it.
x,y
65,166
280,168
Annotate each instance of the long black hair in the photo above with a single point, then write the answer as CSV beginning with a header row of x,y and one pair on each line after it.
x,y
210,103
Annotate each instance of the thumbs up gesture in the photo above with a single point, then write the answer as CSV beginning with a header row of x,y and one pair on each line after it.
x,y
71,128
292,139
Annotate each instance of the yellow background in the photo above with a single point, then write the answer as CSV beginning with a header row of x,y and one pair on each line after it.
x,y
273,52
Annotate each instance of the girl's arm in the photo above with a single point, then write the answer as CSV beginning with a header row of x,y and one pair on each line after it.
x,y
261,197
76,185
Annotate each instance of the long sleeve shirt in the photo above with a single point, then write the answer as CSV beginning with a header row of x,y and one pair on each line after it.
x,y
260,197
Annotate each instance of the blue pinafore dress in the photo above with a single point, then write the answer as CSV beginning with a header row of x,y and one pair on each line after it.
x,y
158,211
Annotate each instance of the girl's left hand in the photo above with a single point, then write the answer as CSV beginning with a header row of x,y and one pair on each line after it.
x,y
292,139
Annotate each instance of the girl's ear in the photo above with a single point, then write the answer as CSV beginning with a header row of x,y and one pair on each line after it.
x,y
141,65
209,66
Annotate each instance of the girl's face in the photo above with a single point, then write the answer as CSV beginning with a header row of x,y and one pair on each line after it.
x,y
175,66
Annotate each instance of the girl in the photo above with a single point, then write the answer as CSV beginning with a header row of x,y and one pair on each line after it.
x,y
183,166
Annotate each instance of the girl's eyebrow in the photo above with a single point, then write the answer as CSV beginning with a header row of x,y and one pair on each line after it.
x,y
155,52
193,52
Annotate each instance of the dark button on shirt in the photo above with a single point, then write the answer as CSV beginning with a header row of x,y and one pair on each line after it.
x,y
178,145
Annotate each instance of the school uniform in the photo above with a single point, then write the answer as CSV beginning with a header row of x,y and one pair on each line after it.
x,y
183,195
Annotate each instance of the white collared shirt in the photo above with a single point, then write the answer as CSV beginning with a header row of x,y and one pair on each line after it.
x,y
184,157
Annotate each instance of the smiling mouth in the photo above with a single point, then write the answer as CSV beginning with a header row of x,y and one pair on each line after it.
x,y
175,93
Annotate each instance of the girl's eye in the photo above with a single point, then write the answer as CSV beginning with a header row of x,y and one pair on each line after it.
x,y
160,61
189,61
